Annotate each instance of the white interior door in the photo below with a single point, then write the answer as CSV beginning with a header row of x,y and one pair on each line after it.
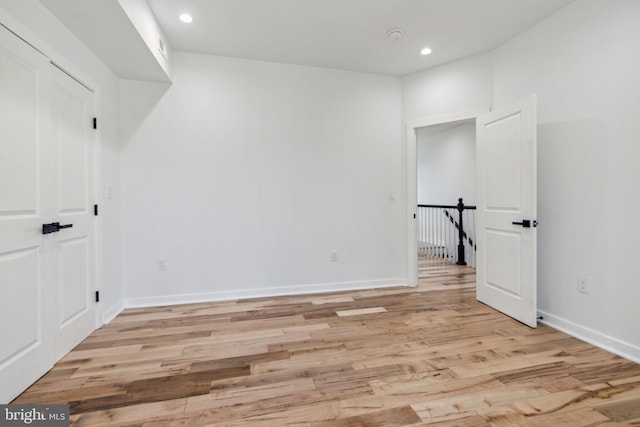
x,y
506,168
26,192
46,176
73,140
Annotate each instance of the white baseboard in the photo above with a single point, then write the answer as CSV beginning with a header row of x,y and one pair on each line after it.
x,y
614,345
109,314
259,293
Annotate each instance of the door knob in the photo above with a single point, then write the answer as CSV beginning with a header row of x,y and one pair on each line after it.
x,y
54,227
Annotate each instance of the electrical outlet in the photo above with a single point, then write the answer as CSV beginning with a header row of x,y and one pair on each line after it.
x,y
583,285
333,256
162,264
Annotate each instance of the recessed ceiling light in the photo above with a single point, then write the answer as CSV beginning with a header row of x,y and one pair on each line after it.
x,y
186,18
425,51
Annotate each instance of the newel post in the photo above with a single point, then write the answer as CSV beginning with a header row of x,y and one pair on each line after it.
x,y
461,257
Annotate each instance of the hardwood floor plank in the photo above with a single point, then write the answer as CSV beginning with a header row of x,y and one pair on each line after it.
x,y
527,361
391,417
360,311
259,394
458,420
129,414
605,370
159,389
238,362
430,355
625,410
579,417
276,377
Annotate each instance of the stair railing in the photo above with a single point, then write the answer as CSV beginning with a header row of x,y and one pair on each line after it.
x,y
439,230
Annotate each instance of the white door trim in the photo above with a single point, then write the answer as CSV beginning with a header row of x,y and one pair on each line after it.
x,y
412,178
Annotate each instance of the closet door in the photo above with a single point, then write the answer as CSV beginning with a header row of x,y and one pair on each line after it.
x,y
73,138
47,261
26,202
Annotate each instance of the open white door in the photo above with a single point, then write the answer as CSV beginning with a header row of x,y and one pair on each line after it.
x,y
506,210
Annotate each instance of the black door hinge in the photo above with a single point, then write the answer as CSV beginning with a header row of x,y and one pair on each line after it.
x,y
97,296
95,210
95,123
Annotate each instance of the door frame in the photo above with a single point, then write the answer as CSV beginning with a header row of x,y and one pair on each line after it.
x,y
412,180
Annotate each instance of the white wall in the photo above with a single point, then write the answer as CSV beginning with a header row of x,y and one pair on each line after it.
x,y
446,158
583,63
243,175
36,25
461,86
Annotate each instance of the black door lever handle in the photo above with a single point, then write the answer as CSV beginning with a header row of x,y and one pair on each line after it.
x,y
54,227
526,223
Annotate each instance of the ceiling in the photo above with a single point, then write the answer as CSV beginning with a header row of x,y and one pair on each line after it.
x,y
342,34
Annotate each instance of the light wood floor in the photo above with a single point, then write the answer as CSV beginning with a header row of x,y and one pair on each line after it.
x,y
391,357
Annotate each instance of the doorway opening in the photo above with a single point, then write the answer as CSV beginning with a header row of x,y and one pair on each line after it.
x,y
440,171
446,193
